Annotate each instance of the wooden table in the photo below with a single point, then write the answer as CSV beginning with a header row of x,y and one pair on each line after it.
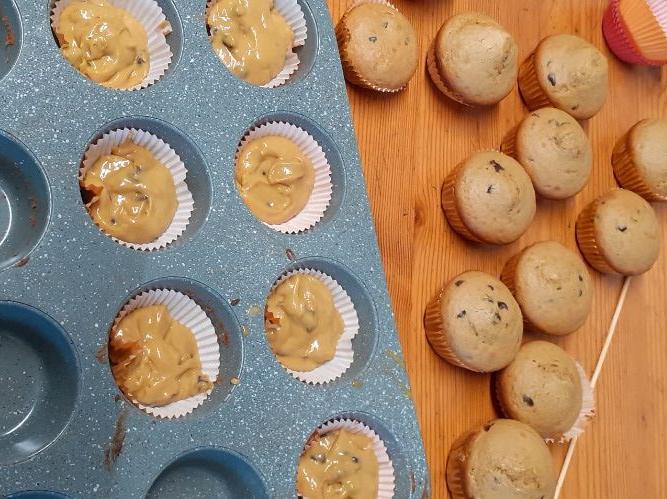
x,y
409,142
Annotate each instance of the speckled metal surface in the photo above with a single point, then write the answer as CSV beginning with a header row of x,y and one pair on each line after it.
x,y
81,278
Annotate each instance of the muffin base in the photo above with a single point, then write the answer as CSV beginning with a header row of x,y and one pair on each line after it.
x,y
627,174
529,84
450,207
456,466
435,333
587,240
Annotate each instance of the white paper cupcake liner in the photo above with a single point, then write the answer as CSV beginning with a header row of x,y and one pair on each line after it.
x,y
320,197
291,12
386,475
165,155
186,311
344,355
586,413
149,14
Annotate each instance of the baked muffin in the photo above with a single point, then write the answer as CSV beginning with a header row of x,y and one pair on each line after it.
x,y
541,387
552,285
566,72
619,233
475,323
640,159
503,459
489,198
473,60
84,31
378,47
555,151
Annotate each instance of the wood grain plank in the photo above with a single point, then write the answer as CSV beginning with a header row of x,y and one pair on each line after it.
x,y
408,144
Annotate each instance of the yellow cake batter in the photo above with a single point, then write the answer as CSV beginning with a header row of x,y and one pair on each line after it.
x,y
250,38
104,43
130,194
154,358
302,323
274,178
340,464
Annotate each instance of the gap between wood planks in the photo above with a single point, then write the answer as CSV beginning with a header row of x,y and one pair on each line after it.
x,y
594,379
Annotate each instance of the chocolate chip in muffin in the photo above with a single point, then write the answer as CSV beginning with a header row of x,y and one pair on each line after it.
x,y
502,305
552,79
458,283
528,401
461,314
497,166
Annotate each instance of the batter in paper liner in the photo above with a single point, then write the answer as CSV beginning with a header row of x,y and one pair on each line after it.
x,y
130,195
103,42
155,359
339,464
275,178
303,325
250,38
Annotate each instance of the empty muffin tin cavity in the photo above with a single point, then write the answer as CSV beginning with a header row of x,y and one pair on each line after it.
x,y
174,39
37,494
197,177
11,36
364,343
25,202
329,148
208,472
227,329
39,381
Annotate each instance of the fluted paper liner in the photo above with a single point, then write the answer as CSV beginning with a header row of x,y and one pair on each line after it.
x,y
291,12
344,355
351,74
450,205
386,474
586,412
618,37
320,197
186,311
645,27
165,155
627,174
456,466
436,335
434,73
149,14
529,84
587,240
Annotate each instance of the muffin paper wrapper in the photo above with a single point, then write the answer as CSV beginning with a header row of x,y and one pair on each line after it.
x,y
165,155
344,354
529,85
320,197
508,145
386,474
434,73
619,39
586,412
456,464
587,240
628,175
436,335
149,14
186,311
450,207
351,74
644,23
291,12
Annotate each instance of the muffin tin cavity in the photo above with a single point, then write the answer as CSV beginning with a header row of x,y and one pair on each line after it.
x,y
364,343
227,328
329,148
174,39
25,201
11,36
37,494
197,178
39,381
403,475
208,472
306,52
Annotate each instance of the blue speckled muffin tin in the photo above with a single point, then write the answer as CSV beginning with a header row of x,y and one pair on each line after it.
x,y
64,425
